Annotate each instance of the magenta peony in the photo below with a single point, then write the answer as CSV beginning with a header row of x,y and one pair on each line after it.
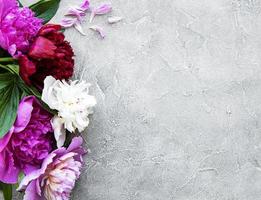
x,y
27,143
18,26
57,176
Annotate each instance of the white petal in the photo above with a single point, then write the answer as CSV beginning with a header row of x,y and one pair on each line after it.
x,y
113,20
69,126
73,103
48,82
91,101
59,131
78,27
98,30
92,16
81,123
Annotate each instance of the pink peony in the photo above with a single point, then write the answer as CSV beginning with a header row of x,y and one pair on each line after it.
x,y
27,143
18,26
57,176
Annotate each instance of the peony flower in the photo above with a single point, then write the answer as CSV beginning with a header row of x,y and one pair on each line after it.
x,y
72,101
75,16
57,176
49,54
27,143
18,27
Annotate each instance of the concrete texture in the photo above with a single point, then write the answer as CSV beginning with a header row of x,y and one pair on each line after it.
x,y
178,84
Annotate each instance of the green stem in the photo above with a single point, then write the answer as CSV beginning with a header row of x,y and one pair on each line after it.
x,y
7,59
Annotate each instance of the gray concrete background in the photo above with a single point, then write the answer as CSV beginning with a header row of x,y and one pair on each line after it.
x,y
178,85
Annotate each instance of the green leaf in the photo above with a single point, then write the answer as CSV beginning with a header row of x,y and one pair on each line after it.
x,y
12,89
45,9
9,100
4,80
14,69
7,191
30,90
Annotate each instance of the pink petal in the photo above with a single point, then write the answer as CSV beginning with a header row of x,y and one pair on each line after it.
x,y
68,22
6,6
98,30
37,173
75,12
31,192
8,170
4,140
12,49
101,10
85,5
25,109
75,144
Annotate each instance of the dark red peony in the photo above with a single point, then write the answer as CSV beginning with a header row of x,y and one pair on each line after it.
x,y
49,54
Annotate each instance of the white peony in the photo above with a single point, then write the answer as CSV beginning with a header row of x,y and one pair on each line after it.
x,y
73,103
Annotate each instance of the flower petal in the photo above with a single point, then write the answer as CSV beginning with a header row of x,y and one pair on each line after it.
x,y
101,10
76,143
42,48
68,22
26,68
24,111
48,28
47,96
98,30
59,131
8,171
31,192
4,140
76,146
12,49
78,27
6,6
114,19
3,40
76,13
37,173
85,5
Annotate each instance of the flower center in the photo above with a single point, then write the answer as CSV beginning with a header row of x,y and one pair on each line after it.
x,y
60,178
